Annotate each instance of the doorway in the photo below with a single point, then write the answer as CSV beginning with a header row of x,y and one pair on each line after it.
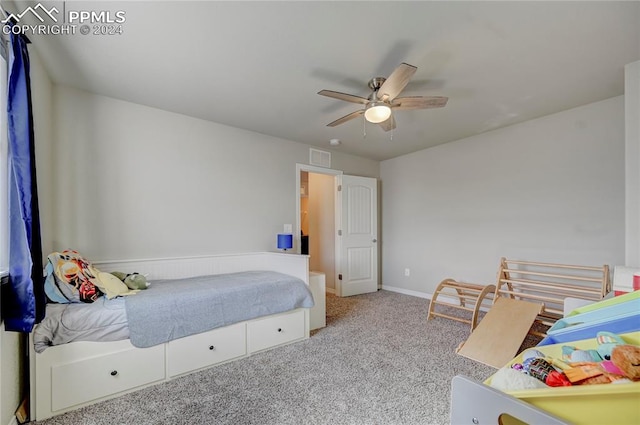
x,y
317,221
337,221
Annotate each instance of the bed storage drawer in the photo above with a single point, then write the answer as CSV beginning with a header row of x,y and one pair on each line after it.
x,y
95,377
206,349
275,330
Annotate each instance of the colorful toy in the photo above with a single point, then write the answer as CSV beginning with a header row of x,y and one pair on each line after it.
x,y
627,358
606,342
509,379
613,360
543,370
623,362
574,355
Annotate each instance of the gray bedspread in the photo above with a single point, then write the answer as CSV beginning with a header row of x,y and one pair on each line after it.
x,y
176,308
103,320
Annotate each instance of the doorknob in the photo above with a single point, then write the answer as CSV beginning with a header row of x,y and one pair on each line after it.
x,y
375,240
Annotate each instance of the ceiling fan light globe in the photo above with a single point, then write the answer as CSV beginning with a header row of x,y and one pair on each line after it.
x,y
377,112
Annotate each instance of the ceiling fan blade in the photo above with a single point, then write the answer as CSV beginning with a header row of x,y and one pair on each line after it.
x,y
346,118
389,124
396,82
419,102
343,96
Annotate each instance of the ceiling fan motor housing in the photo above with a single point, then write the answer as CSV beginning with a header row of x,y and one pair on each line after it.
x,y
376,82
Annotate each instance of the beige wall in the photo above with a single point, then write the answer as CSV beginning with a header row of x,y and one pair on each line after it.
x,y
304,214
550,189
137,182
321,217
12,363
632,164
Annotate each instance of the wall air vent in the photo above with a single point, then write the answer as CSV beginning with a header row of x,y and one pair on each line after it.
x,y
320,158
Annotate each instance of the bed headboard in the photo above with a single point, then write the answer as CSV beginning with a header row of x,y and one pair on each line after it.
x,y
174,268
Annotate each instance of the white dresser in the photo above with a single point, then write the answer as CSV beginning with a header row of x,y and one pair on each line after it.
x,y
317,314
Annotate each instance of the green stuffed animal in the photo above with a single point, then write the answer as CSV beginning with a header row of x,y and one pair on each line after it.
x,y
132,280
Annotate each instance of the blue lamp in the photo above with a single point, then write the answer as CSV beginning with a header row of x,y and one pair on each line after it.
x,y
285,241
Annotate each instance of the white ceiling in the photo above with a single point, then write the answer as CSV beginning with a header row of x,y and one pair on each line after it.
x,y
258,65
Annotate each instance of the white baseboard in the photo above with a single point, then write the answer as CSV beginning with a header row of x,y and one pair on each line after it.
x,y
441,298
407,292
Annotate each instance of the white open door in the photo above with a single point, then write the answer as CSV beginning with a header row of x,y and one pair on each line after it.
x,y
357,240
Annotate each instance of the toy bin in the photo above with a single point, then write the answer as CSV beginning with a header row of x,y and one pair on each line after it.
x,y
605,303
629,321
586,404
610,312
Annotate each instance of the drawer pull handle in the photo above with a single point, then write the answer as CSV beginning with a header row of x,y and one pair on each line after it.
x,y
211,347
114,372
279,329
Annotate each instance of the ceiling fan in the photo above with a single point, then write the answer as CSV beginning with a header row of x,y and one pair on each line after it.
x,y
384,98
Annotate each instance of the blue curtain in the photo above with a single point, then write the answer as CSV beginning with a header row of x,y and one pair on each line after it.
x,y
23,298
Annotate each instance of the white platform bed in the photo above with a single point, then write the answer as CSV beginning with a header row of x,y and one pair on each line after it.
x,y
69,376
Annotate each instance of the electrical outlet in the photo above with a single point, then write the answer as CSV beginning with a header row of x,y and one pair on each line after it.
x,y
288,228
407,272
